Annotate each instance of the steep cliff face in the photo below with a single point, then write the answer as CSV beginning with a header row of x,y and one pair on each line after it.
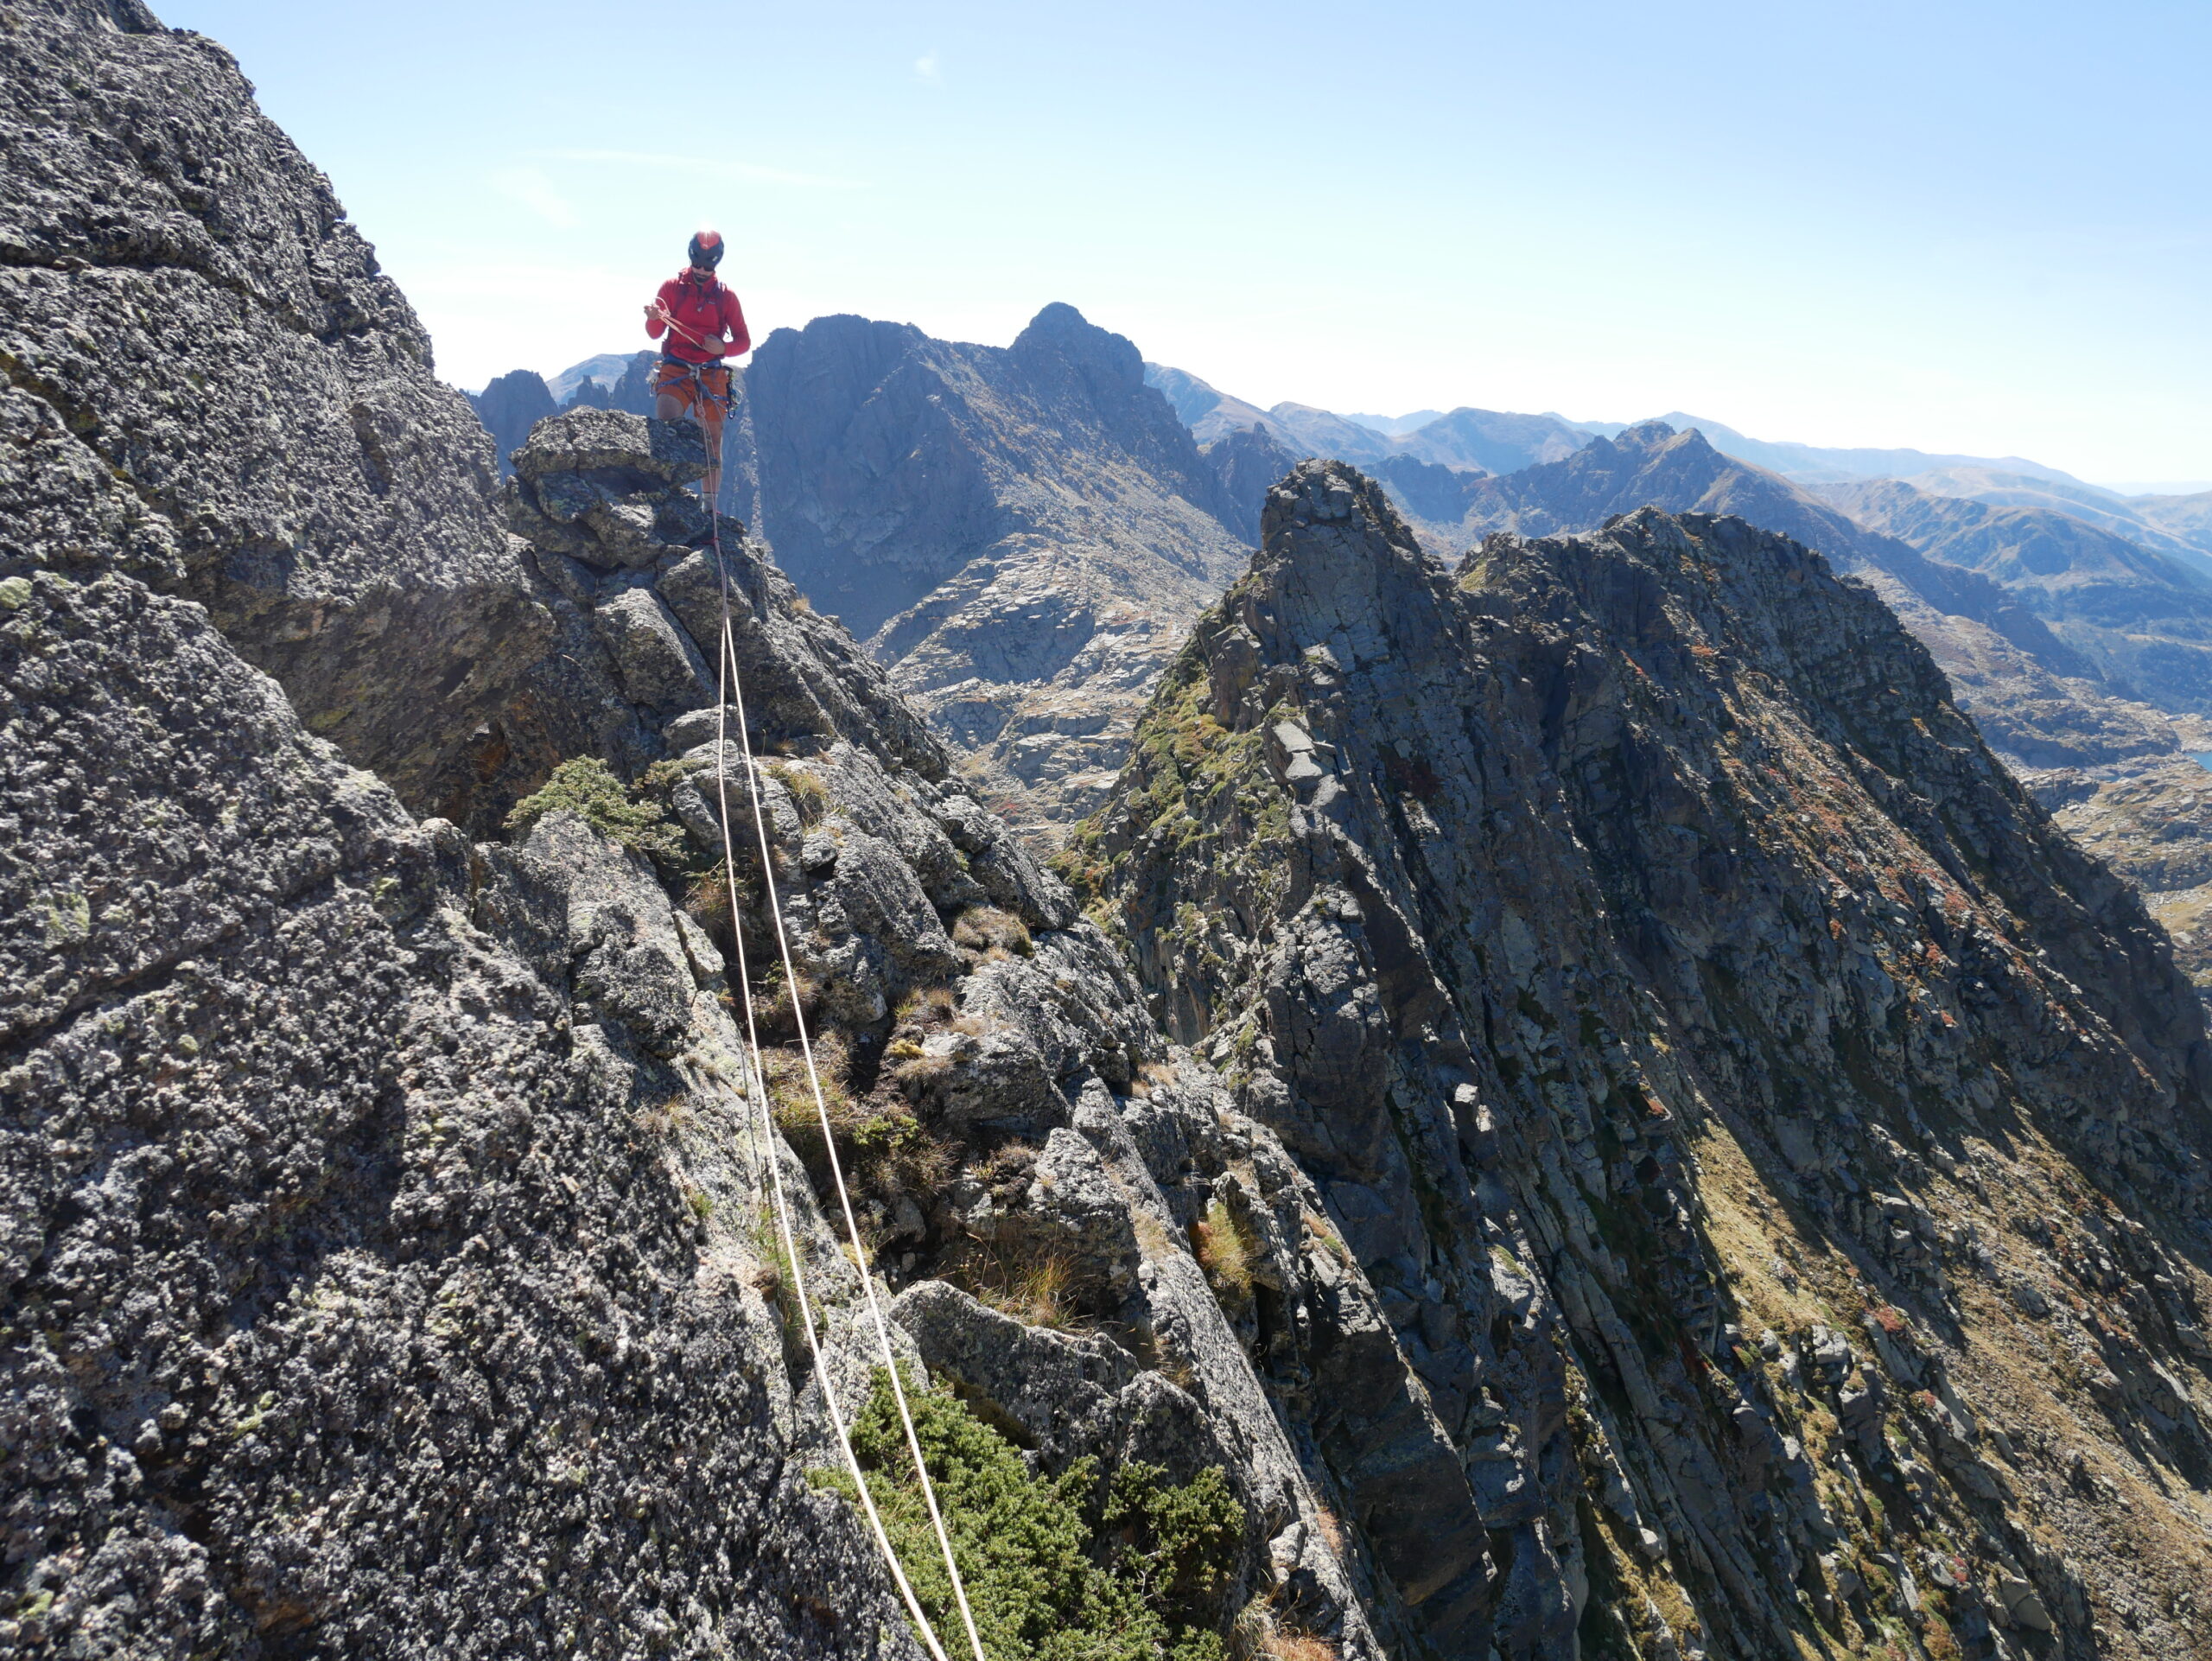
x,y
1248,461
1778,1154
210,388
1027,530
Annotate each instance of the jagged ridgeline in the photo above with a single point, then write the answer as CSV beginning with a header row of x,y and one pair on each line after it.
x,y
1616,1129
1779,1155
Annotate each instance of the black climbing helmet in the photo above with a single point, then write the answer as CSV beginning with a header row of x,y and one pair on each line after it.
x,y
706,249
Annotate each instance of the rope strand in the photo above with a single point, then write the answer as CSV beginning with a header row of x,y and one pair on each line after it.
x,y
731,690
757,1094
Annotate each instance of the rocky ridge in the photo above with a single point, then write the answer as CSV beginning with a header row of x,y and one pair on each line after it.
x,y
1467,440
383,1270
328,1333
1779,1152
2177,526
2041,699
209,387
2140,617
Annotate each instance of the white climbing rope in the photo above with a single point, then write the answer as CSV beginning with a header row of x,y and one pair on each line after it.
x,y
731,694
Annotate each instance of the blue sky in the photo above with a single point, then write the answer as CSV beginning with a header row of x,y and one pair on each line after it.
x,y
1969,227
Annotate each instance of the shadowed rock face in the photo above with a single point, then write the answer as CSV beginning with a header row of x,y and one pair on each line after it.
x,y
1026,530
889,461
1779,1154
509,408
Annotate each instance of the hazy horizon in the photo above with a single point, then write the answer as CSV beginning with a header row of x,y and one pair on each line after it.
x,y
1968,230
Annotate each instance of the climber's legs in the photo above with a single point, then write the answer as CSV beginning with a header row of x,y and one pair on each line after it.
x,y
702,395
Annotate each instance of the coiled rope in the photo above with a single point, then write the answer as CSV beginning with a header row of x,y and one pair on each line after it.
x,y
730,694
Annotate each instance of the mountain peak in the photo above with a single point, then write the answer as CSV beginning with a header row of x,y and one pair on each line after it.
x,y
1320,491
1057,317
1062,331
1652,435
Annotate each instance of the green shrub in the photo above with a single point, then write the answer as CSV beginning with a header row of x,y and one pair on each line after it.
x,y
588,787
1056,1570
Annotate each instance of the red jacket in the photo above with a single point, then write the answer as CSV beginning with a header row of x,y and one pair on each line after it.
x,y
703,312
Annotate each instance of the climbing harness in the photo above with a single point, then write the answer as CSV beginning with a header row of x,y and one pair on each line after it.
x,y
703,385
731,694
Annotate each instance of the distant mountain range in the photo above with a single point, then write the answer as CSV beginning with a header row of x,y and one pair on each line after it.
x,y
1483,441
606,370
1025,532
510,405
2071,648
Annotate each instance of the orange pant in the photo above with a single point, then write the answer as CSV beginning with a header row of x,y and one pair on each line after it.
x,y
703,390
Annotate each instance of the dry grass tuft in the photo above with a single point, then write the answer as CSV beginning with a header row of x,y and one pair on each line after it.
x,y
770,1276
982,930
1154,1238
773,1005
1333,1531
915,1069
1225,1252
666,1118
808,796
1037,1288
926,1005
707,899
1153,1074
1301,1646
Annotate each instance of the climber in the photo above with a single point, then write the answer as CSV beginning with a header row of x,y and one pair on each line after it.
x,y
704,324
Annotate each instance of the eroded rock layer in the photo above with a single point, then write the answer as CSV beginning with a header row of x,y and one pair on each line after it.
x,y
1779,1154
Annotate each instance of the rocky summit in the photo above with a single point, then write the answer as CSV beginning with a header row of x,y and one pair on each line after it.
x,y
1779,1154
1571,1108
